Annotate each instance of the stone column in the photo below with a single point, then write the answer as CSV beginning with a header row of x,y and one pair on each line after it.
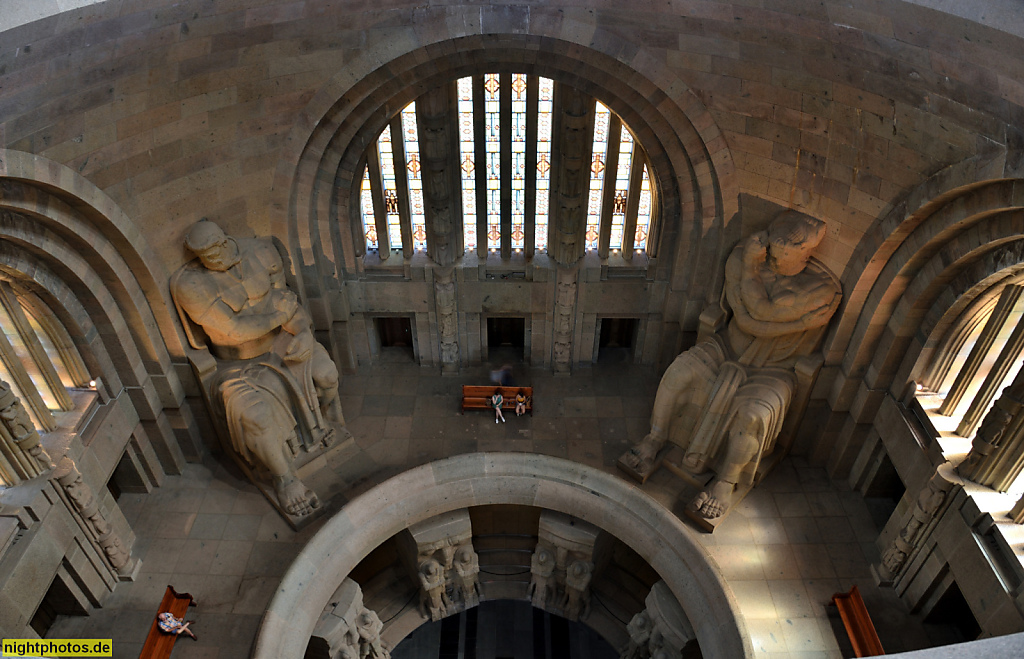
x,y
440,161
100,531
446,304
571,174
562,565
448,567
564,313
928,507
997,452
21,455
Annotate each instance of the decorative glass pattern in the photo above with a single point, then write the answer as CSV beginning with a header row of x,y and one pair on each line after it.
x,y
545,96
466,156
602,119
643,217
520,175
387,170
518,160
621,188
413,169
366,201
492,145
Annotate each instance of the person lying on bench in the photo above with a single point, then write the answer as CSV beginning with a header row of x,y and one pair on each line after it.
x,y
496,401
172,625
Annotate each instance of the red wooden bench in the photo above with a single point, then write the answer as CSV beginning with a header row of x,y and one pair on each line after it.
x,y
479,397
858,623
158,643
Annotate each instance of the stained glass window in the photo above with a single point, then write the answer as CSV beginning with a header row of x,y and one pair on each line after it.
x,y
492,118
518,160
643,217
602,119
609,192
621,189
366,202
413,168
467,165
545,95
387,170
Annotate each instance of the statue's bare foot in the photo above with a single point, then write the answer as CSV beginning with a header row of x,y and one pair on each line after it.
x,y
642,456
714,501
296,498
328,438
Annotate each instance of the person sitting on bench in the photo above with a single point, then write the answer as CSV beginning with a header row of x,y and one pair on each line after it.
x,y
173,625
521,400
496,402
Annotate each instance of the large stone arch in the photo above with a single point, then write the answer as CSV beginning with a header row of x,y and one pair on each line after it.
x,y
490,478
692,164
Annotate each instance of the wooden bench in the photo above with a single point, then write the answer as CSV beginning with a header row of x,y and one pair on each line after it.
x,y
159,643
858,623
479,397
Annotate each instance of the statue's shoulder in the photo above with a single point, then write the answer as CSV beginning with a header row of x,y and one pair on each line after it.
x,y
818,269
190,279
266,251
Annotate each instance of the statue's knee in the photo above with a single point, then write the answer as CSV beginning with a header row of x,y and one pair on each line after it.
x,y
325,373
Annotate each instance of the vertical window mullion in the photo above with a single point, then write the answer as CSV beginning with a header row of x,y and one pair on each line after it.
x,y
636,178
608,190
380,214
479,128
401,183
530,191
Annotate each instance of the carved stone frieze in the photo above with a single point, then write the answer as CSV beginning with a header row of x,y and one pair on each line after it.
x,y
447,565
447,318
347,629
101,533
929,504
20,450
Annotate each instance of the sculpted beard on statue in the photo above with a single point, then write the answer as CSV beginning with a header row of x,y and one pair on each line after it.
x,y
725,399
277,387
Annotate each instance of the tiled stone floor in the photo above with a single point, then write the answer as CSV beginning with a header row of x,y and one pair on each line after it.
x,y
793,542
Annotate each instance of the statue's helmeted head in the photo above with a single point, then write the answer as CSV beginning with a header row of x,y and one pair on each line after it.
x,y
214,248
792,236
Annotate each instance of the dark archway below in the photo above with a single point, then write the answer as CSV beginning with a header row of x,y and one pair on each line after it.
x,y
506,629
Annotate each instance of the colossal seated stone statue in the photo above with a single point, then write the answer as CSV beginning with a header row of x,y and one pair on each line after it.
x,y
724,400
275,388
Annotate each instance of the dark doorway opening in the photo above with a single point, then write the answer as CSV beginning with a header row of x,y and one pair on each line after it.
x,y
395,334
616,339
58,601
506,332
951,620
